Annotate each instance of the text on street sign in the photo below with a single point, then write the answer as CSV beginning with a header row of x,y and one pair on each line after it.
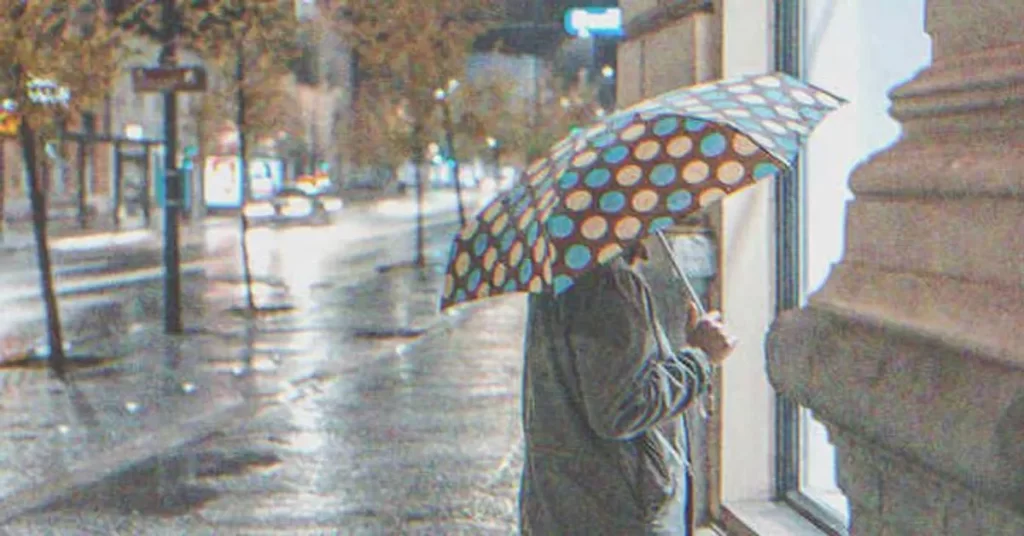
x,y
166,79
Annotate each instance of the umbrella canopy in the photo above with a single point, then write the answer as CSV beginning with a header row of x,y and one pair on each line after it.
x,y
632,175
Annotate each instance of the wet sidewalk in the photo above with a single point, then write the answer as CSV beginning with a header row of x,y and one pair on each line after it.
x,y
350,424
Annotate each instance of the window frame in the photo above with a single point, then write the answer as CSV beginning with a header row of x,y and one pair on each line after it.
x,y
790,274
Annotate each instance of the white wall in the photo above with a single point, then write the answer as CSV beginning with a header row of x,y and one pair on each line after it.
x,y
747,282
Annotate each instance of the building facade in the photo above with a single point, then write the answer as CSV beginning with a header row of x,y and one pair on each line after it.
x,y
878,388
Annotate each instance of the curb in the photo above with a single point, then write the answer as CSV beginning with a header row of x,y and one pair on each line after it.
x,y
122,457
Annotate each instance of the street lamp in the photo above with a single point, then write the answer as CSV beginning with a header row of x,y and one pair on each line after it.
x,y
441,94
608,71
496,153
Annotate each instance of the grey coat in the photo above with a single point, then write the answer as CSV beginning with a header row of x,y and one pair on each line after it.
x,y
603,395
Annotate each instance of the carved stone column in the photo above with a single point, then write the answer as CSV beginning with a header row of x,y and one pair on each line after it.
x,y
913,352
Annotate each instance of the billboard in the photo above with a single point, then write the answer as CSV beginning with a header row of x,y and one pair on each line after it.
x,y
222,184
594,21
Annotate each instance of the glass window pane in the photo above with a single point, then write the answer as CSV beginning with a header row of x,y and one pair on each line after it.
x,y
818,467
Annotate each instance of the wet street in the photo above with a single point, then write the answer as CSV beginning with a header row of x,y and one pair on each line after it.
x,y
352,406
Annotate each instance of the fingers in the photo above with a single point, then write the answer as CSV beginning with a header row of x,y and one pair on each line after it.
x,y
693,315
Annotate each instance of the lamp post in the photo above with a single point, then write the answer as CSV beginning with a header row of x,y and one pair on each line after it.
x,y
449,134
495,147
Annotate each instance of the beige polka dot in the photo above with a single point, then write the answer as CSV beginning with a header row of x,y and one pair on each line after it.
x,y
699,109
449,286
628,228
540,176
516,254
629,175
484,290
768,81
584,159
692,101
741,88
552,252
536,166
462,264
492,212
826,99
738,113
578,201
594,228
645,200
774,127
752,99
546,273
547,200
762,140
490,257
498,278
536,284
632,132
802,97
527,218
730,172
580,144
469,229
696,171
711,195
608,253
743,145
595,130
647,150
540,249
799,128
500,223
679,146
786,111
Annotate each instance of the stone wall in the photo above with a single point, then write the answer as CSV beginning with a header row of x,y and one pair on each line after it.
x,y
913,352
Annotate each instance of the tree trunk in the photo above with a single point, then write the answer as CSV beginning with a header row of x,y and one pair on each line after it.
x,y
417,160
243,170
3,188
449,135
37,198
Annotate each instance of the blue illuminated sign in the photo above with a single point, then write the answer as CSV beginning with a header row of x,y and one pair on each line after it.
x,y
594,21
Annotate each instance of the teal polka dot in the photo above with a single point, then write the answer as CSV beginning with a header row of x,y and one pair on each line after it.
x,y
716,96
598,178
660,223
663,175
568,180
480,245
525,272
616,154
619,122
764,112
577,256
521,207
612,202
749,125
473,281
460,295
507,239
605,139
765,169
679,201
776,95
532,232
562,283
666,126
723,105
787,143
695,125
811,113
560,226
511,286
713,144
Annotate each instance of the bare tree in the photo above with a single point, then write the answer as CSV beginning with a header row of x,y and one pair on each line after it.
x,y
59,58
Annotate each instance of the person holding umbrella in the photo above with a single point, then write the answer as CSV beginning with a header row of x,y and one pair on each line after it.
x,y
603,390
603,397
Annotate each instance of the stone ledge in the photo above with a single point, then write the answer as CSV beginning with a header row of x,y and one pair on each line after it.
x,y
765,518
665,14
939,405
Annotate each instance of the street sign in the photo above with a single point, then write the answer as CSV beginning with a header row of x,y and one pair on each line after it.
x,y
167,79
594,21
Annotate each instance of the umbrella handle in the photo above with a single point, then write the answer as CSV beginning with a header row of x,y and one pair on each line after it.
x,y
707,402
682,275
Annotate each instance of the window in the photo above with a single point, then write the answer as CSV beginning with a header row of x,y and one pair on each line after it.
x,y
860,51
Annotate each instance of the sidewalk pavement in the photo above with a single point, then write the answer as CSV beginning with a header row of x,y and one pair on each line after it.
x,y
421,437
66,234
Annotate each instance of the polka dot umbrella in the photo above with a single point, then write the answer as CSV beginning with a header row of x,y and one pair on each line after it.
x,y
630,176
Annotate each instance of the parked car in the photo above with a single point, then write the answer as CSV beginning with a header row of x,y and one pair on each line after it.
x,y
295,205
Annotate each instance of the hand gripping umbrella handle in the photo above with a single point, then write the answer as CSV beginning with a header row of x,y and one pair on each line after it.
x,y
710,402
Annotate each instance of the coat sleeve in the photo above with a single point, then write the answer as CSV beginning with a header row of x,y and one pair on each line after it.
x,y
627,384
